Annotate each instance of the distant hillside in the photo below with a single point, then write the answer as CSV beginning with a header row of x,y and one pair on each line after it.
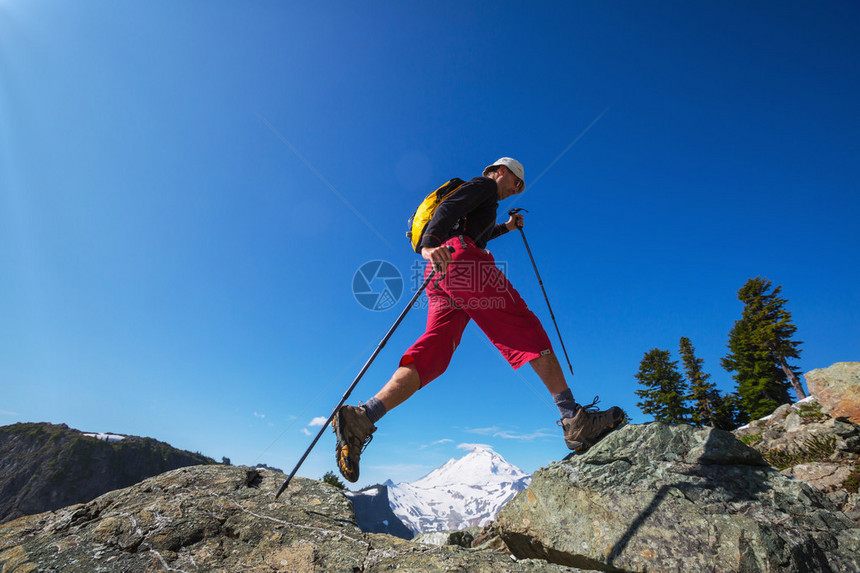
x,y
373,512
46,466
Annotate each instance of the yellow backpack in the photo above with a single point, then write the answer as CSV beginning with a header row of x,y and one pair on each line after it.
x,y
422,215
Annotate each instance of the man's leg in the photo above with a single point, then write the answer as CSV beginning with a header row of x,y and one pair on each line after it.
x,y
431,354
498,309
550,372
582,428
354,426
402,385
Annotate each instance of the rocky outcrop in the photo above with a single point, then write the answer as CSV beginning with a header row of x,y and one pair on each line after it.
x,y
804,442
225,519
837,389
663,498
47,466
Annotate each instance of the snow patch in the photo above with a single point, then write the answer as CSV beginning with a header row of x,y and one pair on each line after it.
x,y
106,437
806,400
374,491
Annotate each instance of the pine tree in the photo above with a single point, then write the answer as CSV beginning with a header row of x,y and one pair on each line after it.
x,y
665,391
710,407
760,344
703,393
729,413
332,479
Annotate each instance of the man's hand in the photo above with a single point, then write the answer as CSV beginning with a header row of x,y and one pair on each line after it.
x,y
439,256
515,222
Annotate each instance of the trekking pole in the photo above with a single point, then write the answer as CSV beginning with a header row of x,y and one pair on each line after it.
x,y
357,378
514,212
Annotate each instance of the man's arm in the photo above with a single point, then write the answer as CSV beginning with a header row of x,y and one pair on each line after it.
x,y
514,222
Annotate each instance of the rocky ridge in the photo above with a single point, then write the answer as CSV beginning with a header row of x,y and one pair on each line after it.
x,y
225,519
647,498
48,466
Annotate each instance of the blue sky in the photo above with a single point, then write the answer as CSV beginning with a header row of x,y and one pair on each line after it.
x,y
188,188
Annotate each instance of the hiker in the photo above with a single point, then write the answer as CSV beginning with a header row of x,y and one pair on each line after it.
x,y
471,287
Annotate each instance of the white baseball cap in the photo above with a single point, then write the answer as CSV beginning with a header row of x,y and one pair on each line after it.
x,y
515,166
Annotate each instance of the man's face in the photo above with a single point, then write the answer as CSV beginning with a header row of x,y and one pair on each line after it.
x,y
508,184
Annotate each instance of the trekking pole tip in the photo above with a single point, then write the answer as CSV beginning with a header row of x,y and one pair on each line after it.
x,y
283,487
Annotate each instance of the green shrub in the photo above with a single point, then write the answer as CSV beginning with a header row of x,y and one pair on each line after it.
x,y
814,449
811,411
852,482
820,448
751,439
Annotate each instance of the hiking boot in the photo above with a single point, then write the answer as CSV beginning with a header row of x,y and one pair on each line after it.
x,y
354,431
588,425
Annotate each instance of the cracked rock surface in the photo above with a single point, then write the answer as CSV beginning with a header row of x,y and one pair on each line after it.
x,y
222,518
676,498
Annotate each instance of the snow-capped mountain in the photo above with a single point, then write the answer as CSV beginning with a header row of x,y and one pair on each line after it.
x,y
461,493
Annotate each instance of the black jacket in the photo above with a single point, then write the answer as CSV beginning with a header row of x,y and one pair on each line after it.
x,y
469,211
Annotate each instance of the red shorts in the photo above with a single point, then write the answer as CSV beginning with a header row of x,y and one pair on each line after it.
x,y
474,288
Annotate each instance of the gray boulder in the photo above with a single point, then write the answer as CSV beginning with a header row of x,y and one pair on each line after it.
x,y
676,498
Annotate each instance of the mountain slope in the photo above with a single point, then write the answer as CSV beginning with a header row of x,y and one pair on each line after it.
x,y
46,466
461,493
373,512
